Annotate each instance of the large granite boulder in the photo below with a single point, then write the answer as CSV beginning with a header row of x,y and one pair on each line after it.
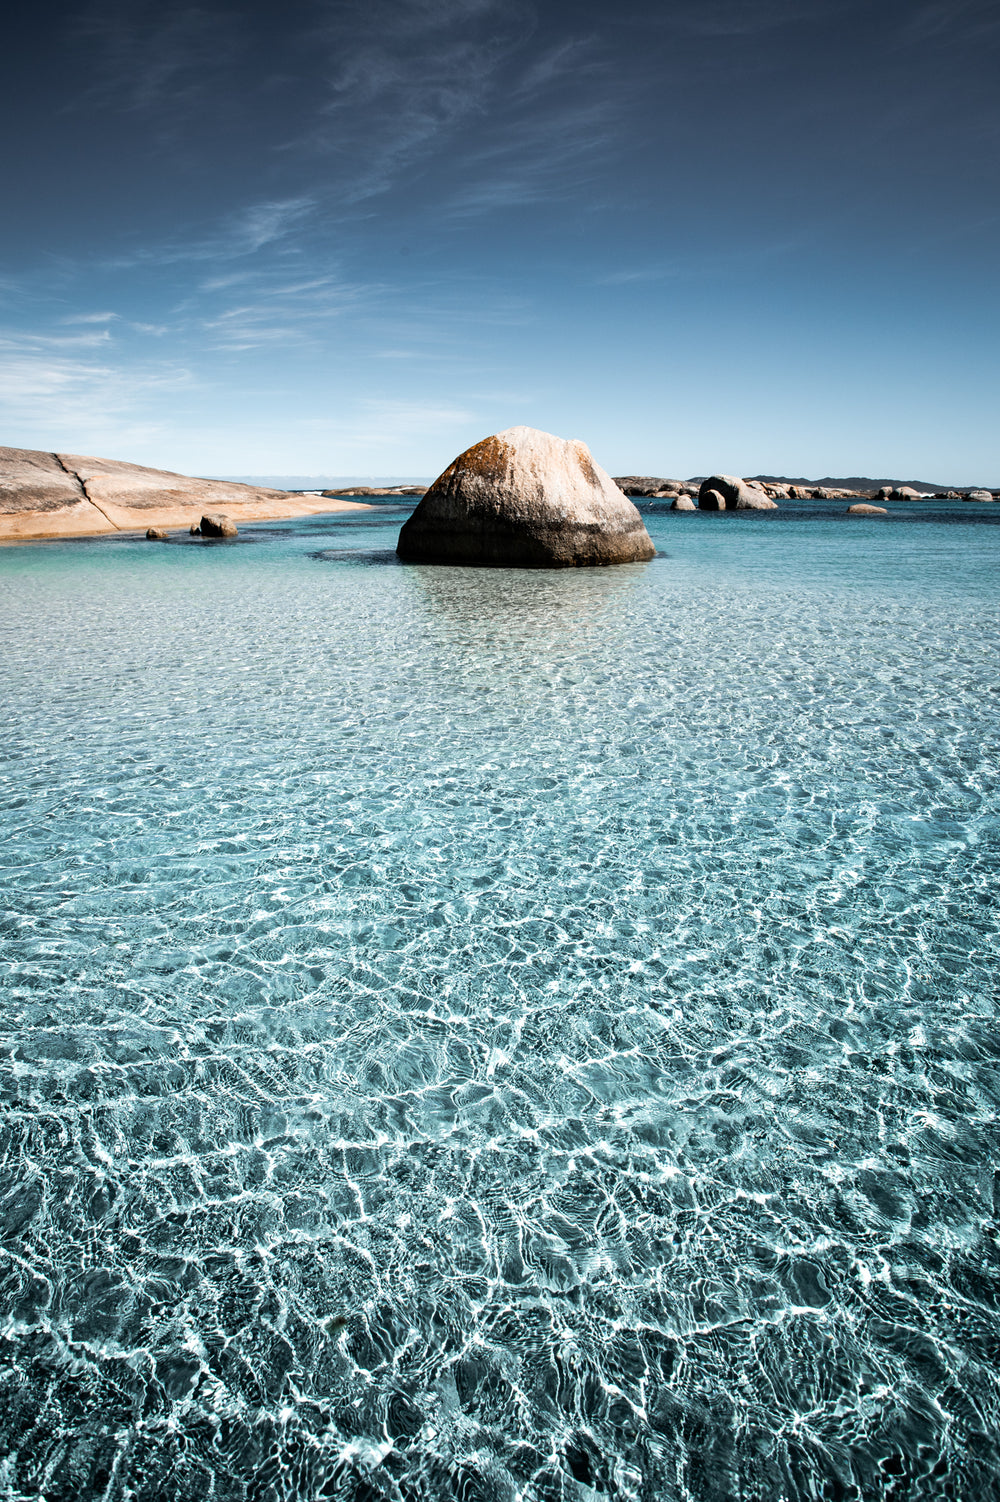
x,y
979,495
739,495
863,509
525,499
683,503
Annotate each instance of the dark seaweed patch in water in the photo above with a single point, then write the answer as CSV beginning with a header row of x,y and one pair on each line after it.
x,y
181,539
364,556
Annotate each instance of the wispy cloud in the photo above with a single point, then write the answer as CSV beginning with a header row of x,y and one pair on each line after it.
x,y
264,223
544,157
575,57
387,427
274,311
722,18
241,234
33,341
90,318
637,274
405,76
699,264
162,59
50,400
960,21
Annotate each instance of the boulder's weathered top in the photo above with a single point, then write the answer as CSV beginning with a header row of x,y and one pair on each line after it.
x,y
72,495
525,499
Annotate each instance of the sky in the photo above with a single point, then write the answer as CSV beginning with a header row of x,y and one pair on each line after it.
x,y
352,237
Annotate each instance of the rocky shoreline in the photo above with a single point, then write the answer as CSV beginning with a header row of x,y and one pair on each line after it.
x,y
52,495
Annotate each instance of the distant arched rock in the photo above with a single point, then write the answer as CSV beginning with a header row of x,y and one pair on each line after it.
x,y
737,495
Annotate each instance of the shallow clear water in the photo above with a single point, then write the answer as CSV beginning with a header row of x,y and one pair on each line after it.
x,y
502,1035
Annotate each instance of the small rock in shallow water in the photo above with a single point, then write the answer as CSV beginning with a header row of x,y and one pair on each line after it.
x,y
217,525
683,503
863,509
711,500
154,534
194,529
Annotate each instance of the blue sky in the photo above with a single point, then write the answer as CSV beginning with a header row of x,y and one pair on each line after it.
x,y
345,238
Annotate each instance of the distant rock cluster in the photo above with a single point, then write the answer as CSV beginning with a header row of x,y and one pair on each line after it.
x,y
650,485
356,490
746,494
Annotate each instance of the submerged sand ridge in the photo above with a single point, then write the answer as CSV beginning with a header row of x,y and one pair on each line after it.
x,y
44,495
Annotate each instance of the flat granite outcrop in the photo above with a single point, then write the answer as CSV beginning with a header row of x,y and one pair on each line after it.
x,y
76,495
525,499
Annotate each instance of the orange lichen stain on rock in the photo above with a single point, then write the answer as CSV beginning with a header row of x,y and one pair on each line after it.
x,y
485,458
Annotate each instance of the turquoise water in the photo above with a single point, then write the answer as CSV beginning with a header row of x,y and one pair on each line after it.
x,y
498,1036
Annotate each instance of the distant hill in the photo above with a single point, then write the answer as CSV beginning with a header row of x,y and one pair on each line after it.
x,y
861,482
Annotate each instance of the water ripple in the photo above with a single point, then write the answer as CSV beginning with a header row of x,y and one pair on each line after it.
x,y
493,1036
